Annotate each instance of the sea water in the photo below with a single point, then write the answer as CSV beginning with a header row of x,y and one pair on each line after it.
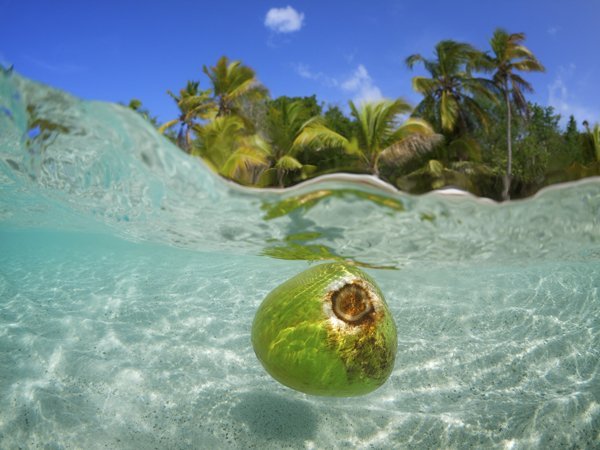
x,y
130,275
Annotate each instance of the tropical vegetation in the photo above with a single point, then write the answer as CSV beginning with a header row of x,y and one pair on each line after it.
x,y
473,128
377,136
193,104
509,56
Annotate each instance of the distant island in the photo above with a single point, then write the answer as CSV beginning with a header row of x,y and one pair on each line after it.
x,y
473,129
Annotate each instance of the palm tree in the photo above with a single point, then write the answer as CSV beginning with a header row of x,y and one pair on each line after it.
x,y
232,84
451,89
510,55
285,121
227,146
224,144
379,137
136,105
193,104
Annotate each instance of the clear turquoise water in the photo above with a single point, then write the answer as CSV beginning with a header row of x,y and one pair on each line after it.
x,y
129,278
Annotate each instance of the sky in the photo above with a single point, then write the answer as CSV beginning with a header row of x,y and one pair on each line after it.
x,y
339,50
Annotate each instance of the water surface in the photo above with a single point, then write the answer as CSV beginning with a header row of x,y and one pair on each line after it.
x,y
129,278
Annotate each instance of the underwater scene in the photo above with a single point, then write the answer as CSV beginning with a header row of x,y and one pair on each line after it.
x,y
130,277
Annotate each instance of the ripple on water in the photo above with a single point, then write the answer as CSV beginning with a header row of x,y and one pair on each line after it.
x,y
129,278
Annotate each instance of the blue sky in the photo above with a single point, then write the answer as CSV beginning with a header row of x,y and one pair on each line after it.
x,y
338,50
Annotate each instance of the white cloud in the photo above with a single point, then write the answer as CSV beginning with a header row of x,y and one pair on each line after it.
x,y
305,72
552,31
284,20
362,86
564,102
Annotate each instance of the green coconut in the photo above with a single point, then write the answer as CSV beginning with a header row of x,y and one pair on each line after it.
x,y
326,331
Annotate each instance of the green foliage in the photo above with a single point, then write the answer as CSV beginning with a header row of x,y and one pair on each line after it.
x,y
543,154
509,56
592,140
247,137
300,204
285,120
378,136
337,121
233,84
574,148
310,105
571,133
193,104
449,93
536,136
476,178
332,159
136,105
540,141
228,148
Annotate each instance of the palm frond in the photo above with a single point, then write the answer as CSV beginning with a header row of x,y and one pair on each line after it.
x,y
165,126
241,87
434,167
173,96
307,171
413,59
219,138
231,82
518,83
411,147
520,102
480,113
317,135
258,144
412,125
466,146
288,163
267,178
285,123
425,86
244,159
482,87
451,79
517,51
425,109
414,138
529,65
449,111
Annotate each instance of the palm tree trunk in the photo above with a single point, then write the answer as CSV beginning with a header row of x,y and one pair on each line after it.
x,y
508,175
374,165
188,140
181,139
